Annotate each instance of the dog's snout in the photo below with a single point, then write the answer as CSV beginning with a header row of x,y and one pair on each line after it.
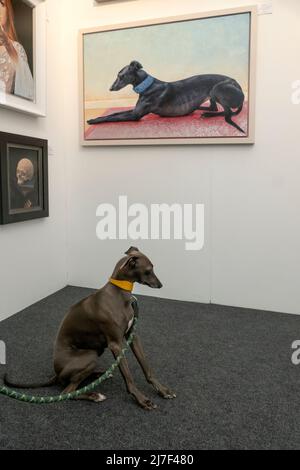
x,y
114,86
117,85
158,284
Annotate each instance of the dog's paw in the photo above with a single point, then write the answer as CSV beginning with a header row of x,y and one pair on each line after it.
x,y
97,397
169,396
148,405
166,393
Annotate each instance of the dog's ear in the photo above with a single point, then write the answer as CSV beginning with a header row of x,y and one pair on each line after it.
x,y
131,249
136,65
130,262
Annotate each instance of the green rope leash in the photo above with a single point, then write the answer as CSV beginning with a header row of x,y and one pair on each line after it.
x,y
70,396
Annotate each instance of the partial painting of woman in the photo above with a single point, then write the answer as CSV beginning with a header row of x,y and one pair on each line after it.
x,y
15,75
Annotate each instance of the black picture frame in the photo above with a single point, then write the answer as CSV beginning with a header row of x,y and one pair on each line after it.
x,y
24,192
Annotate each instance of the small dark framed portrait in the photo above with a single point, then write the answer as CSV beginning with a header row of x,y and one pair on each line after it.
x,y
23,178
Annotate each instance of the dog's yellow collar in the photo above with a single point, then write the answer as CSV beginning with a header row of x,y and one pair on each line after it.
x,y
125,285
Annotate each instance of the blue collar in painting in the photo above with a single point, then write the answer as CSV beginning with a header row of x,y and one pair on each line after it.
x,y
142,87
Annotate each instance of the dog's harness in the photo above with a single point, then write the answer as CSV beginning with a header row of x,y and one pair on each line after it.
x,y
89,388
144,85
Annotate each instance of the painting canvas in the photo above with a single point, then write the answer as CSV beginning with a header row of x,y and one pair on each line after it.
x,y
173,81
16,49
22,55
23,178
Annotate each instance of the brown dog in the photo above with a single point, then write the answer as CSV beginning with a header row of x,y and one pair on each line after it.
x,y
103,320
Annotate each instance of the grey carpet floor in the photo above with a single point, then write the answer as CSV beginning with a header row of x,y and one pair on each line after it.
x,y
231,368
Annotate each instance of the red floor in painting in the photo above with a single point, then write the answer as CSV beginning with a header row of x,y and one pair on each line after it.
x,y
153,126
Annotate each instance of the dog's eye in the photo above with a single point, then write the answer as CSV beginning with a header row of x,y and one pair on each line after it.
x,y
147,273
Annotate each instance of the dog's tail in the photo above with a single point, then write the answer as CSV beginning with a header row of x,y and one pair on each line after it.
x,y
52,381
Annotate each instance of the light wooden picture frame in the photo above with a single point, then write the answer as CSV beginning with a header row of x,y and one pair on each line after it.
x,y
170,64
35,102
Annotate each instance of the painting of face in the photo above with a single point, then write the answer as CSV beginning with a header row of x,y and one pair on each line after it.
x,y
16,49
23,45
24,181
3,13
23,178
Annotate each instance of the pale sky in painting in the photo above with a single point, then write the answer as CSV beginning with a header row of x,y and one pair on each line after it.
x,y
169,52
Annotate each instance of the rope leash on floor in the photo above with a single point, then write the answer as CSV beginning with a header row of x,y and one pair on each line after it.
x,y
89,388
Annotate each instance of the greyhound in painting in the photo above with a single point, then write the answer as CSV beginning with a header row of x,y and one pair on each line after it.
x,y
180,98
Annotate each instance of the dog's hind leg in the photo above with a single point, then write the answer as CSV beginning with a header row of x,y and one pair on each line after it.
x,y
212,115
229,95
212,107
96,375
222,113
91,396
80,366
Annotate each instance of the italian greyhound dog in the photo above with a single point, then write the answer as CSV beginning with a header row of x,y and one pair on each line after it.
x,y
180,98
99,321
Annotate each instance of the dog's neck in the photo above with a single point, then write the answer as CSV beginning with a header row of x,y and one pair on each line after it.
x,y
139,78
121,284
118,280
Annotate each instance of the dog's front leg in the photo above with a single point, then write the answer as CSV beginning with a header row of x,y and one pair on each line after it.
x,y
142,400
118,117
138,351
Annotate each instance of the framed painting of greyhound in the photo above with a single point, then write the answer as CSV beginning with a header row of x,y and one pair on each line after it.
x,y
179,80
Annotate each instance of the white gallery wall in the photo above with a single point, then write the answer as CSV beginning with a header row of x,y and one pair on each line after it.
x,y
33,254
251,255
251,194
